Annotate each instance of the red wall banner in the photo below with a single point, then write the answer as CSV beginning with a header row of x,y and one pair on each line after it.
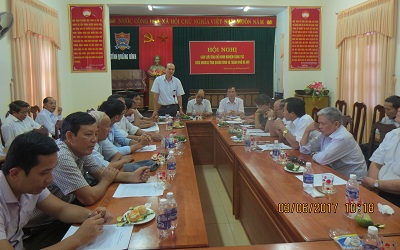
x,y
216,57
305,38
87,38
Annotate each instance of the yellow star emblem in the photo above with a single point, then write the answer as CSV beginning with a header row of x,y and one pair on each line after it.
x,y
163,38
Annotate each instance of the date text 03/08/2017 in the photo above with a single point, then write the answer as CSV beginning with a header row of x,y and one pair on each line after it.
x,y
317,207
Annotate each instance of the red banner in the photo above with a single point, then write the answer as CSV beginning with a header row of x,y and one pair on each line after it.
x,y
305,38
87,38
194,21
216,57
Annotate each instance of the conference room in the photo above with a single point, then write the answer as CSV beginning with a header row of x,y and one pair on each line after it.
x,y
282,49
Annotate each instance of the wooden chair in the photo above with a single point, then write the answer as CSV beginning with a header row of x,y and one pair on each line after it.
x,y
314,113
34,110
380,111
342,106
359,119
57,129
373,143
348,123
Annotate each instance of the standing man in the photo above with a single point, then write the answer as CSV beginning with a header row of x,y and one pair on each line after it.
x,y
334,146
199,104
46,117
168,93
18,122
294,112
24,177
231,105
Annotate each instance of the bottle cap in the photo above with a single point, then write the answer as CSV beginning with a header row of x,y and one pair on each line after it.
x,y
353,176
308,164
372,230
170,194
163,201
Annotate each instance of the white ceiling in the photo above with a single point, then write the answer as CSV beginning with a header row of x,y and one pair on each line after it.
x,y
192,10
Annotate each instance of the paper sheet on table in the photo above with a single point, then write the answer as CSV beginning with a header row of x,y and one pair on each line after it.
x,y
247,126
318,180
234,122
270,146
152,128
137,190
255,130
113,237
260,134
147,148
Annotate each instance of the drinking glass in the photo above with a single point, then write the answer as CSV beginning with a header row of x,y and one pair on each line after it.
x,y
163,178
327,183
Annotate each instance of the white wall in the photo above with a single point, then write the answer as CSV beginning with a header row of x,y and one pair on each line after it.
x,y
80,91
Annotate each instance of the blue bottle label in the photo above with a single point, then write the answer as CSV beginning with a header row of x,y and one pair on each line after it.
x,y
352,193
308,178
276,152
247,143
171,165
174,213
163,221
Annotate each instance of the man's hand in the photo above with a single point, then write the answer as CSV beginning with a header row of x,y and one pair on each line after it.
x,y
145,139
368,182
155,114
141,175
156,137
104,213
278,125
42,130
313,126
90,229
127,158
109,174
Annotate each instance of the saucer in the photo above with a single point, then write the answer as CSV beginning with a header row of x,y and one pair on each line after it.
x,y
333,191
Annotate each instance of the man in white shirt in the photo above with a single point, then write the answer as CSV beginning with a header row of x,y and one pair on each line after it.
x,y
46,117
384,171
18,122
199,105
136,117
168,93
231,105
294,112
334,146
391,104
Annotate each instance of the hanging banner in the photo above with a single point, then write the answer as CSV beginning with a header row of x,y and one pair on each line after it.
x,y
87,38
217,57
124,47
194,21
305,38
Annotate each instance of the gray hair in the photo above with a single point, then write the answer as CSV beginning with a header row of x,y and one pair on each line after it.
x,y
98,115
333,114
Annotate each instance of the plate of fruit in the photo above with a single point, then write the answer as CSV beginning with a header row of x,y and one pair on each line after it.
x,y
186,117
181,138
293,168
178,124
223,124
137,215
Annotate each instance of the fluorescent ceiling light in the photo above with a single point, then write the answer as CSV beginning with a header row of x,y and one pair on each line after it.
x,y
150,7
246,8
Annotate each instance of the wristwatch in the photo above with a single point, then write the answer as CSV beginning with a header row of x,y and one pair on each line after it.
x,y
376,184
284,132
270,118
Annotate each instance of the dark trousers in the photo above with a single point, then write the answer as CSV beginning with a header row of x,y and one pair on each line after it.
x,y
168,109
44,236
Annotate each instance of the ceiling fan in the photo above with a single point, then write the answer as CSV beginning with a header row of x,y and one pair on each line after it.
x,y
6,21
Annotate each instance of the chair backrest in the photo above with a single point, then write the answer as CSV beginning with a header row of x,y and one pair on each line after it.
x,y
1,135
383,130
34,110
380,111
348,123
57,129
314,113
359,118
342,106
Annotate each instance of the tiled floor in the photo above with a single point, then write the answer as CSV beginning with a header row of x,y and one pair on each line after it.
x,y
222,228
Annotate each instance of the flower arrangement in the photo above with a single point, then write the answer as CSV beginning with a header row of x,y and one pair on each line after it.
x,y
155,72
316,89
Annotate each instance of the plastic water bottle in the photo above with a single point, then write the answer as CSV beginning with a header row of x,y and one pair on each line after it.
x,y
253,143
276,151
178,116
244,132
163,219
247,143
371,240
171,165
173,208
308,177
194,114
171,141
352,194
169,122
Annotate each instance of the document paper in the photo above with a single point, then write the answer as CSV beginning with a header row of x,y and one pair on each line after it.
x,y
113,237
138,190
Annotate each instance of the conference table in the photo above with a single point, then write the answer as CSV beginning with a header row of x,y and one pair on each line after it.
x,y
269,202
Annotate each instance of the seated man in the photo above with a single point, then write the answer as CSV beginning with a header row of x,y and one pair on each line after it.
x,y
105,152
18,122
294,112
46,117
140,121
75,163
334,146
231,105
259,118
199,105
23,180
275,114
383,174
